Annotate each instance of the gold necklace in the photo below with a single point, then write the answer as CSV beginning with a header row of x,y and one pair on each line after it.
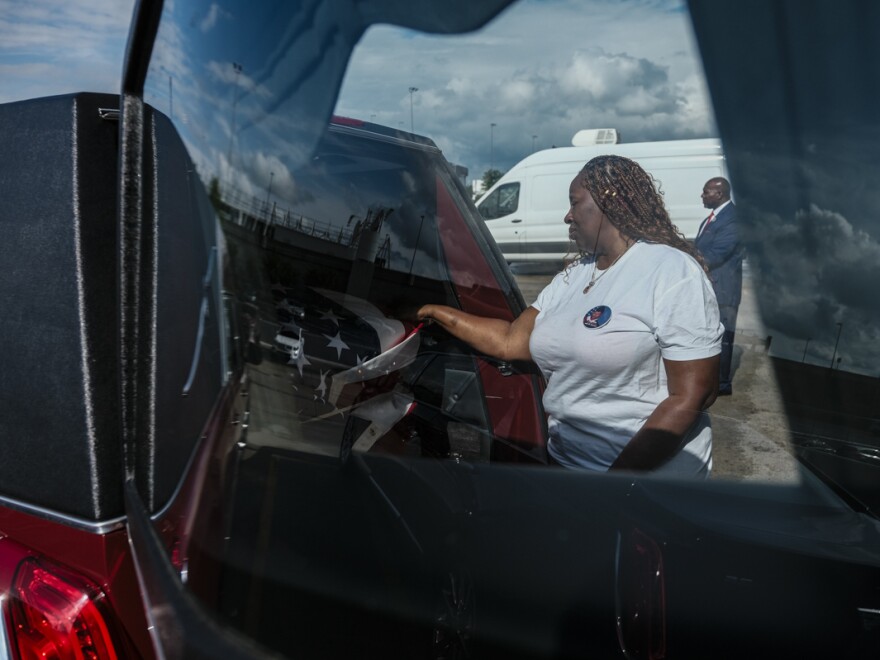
x,y
594,278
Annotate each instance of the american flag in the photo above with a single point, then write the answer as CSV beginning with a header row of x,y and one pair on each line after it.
x,y
350,356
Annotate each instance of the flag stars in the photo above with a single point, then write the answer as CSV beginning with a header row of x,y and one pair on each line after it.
x,y
301,360
330,316
322,387
337,343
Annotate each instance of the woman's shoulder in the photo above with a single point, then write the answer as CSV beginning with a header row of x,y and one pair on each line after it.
x,y
568,279
667,255
667,265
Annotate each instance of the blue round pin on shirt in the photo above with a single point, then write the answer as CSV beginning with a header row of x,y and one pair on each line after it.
x,y
597,317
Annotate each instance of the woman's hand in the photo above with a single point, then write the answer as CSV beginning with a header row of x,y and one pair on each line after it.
x,y
496,338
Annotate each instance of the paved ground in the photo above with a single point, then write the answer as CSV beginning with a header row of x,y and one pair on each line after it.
x,y
751,431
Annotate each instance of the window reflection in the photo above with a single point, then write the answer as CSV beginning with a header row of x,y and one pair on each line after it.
x,y
361,220
626,75
335,359
328,246
329,252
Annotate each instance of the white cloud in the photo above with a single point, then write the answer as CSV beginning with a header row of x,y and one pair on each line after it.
x,y
49,47
211,18
814,289
518,93
547,68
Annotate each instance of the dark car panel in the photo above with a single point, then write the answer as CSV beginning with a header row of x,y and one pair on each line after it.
x,y
188,356
802,161
320,528
226,434
58,383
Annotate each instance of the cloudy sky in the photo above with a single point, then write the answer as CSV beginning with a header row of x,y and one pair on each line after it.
x,y
544,68
54,47
540,71
818,266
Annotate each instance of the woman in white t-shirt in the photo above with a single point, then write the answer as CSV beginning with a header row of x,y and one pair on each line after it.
x,y
628,336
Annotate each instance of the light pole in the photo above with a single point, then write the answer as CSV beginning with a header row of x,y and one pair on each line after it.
x,y
492,145
170,92
269,193
834,354
805,349
237,68
411,123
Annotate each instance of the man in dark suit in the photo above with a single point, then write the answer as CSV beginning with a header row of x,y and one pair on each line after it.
x,y
719,242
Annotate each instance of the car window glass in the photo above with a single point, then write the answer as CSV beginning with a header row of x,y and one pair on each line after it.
x,y
813,238
502,201
329,245
342,193
751,432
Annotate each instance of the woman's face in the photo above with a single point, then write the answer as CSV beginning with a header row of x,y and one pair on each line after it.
x,y
584,218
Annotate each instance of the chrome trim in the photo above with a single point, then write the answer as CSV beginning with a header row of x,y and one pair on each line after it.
x,y
152,377
618,626
85,355
110,114
152,627
207,280
5,649
162,511
93,527
364,131
198,447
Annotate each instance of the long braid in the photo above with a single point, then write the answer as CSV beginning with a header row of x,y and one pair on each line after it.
x,y
629,198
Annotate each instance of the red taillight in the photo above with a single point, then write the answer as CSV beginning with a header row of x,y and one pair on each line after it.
x,y
177,557
55,615
346,121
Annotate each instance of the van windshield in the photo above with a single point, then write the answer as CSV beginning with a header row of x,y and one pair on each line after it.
x,y
502,201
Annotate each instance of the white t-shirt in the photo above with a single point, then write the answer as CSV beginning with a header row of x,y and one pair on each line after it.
x,y
601,353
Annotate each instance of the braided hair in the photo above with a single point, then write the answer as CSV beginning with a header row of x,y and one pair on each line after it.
x,y
629,198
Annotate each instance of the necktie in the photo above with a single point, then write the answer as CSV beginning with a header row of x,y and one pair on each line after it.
x,y
706,223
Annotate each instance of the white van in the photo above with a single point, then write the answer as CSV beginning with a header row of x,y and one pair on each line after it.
x,y
525,208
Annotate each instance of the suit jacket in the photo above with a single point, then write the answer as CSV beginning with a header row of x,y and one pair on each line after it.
x,y
720,245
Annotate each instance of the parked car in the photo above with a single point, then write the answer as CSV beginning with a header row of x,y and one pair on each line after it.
x,y
167,492
288,342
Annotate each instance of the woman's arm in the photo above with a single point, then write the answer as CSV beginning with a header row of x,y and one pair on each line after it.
x,y
693,386
504,340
